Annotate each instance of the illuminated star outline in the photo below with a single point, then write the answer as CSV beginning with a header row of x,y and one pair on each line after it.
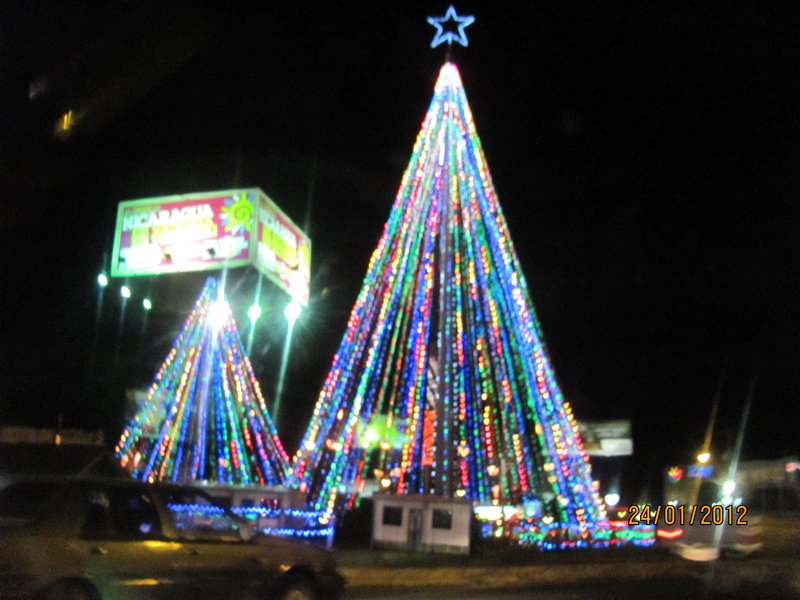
x,y
450,36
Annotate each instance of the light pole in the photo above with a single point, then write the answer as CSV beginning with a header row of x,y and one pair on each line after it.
x,y
254,312
704,456
292,313
102,283
125,293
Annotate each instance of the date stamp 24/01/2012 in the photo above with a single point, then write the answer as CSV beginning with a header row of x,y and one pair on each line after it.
x,y
680,515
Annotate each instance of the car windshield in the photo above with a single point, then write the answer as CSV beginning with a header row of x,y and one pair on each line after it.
x,y
20,503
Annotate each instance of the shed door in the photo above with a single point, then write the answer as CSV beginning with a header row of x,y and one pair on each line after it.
x,y
415,518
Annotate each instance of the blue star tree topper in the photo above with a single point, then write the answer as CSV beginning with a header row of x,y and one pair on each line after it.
x,y
450,36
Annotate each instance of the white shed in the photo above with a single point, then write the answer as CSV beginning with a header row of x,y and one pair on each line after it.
x,y
421,523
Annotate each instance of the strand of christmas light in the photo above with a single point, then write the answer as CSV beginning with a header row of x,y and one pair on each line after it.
x,y
204,418
445,284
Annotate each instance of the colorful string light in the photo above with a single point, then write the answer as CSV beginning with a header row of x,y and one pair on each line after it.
x,y
295,523
443,346
204,419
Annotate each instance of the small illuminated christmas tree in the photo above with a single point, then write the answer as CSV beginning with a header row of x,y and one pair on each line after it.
x,y
442,383
204,418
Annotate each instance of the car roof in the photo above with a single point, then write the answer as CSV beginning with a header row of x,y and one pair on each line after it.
x,y
52,459
89,480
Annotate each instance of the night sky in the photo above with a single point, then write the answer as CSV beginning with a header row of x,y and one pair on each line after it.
x,y
646,155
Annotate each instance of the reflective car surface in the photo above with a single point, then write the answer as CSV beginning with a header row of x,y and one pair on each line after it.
x,y
736,530
96,539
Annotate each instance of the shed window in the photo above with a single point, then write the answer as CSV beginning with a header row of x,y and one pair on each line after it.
x,y
393,515
442,519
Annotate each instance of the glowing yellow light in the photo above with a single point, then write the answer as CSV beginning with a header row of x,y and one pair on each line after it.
x,y
141,582
160,545
65,124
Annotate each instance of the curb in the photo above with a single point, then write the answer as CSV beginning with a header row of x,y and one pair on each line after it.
x,y
500,577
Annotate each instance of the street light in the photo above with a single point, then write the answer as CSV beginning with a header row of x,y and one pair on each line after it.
x,y
218,313
703,457
292,312
125,291
147,304
612,499
102,280
254,312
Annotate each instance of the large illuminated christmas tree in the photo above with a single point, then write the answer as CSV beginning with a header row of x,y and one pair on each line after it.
x,y
204,418
442,383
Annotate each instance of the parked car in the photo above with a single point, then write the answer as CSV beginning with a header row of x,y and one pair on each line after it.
x,y
94,539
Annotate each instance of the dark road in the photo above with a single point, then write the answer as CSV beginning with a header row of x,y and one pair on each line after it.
x,y
773,574
684,588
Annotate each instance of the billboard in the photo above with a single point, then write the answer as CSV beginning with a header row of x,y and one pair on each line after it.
x,y
283,251
192,232
607,438
212,230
